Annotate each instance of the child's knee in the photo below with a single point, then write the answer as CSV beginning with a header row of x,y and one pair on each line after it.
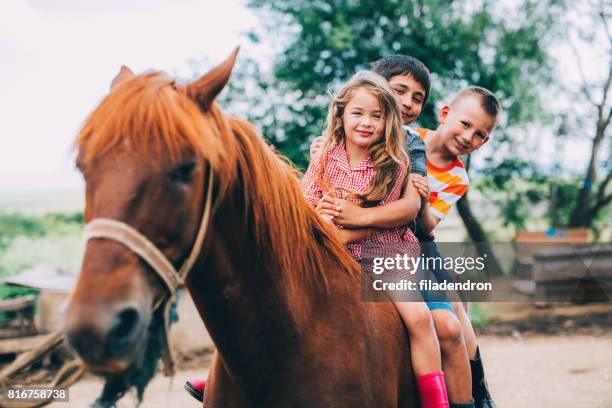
x,y
417,317
459,308
448,329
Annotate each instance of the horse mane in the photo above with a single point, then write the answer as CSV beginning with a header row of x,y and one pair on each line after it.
x,y
294,234
150,113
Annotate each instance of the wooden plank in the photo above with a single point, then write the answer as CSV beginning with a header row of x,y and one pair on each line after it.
x,y
18,303
572,285
586,251
20,344
554,266
42,346
565,270
575,290
526,252
570,235
529,243
583,274
12,332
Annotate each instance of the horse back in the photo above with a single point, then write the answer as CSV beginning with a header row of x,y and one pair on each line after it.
x,y
345,352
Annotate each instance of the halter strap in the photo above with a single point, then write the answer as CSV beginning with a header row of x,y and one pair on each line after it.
x,y
138,243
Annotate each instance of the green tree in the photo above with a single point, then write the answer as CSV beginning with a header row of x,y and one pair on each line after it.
x,y
579,111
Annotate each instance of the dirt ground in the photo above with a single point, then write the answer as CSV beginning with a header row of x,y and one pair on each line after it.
x,y
547,357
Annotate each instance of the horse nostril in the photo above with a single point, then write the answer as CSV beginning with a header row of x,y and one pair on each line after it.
x,y
123,329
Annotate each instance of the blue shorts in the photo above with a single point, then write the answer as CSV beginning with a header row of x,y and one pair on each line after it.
x,y
435,300
441,306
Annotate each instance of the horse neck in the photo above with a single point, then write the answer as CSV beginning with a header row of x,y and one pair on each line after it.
x,y
242,296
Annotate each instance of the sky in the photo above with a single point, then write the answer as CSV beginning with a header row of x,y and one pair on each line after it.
x,y
59,57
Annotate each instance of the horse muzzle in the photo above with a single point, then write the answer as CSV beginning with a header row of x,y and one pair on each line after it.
x,y
108,340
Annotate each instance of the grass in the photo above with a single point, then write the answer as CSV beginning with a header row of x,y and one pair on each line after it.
x,y
28,240
478,315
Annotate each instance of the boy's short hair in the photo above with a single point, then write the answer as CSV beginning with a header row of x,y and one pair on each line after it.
x,y
393,65
488,100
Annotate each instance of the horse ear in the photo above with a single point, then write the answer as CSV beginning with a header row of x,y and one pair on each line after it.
x,y
207,88
124,73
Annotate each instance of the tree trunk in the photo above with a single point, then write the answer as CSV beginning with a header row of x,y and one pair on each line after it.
x,y
601,201
580,214
479,237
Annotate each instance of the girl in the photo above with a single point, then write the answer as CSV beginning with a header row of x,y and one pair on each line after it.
x,y
363,156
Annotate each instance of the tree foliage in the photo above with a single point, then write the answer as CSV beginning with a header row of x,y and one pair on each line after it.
x,y
461,42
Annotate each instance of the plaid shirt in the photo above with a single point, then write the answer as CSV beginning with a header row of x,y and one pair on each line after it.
x,y
340,178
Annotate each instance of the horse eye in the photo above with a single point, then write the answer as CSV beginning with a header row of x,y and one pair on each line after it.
x,y
183,173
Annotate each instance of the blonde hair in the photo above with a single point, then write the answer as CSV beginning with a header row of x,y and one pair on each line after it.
x,y
387,154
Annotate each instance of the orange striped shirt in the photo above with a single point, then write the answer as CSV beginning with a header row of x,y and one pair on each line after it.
x,y
446,184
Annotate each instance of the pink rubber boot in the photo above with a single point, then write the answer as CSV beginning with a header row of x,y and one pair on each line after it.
x,y
196,388
432,390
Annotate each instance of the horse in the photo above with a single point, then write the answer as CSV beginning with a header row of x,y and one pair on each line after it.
x,y
276,289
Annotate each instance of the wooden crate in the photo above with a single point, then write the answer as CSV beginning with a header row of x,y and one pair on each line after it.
x,y
528,243
583,274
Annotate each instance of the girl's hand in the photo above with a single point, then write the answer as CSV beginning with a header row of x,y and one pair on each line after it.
x,y
343,212
421,184
316,146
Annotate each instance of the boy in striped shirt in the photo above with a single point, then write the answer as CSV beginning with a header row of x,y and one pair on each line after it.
x,y
465,126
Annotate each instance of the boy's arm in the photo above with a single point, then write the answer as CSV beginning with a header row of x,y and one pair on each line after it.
x,y
426,220
432,213
391,215
406,209
397,213
415,146
346,235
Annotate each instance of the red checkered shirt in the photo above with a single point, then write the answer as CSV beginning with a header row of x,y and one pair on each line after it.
x,y
339,177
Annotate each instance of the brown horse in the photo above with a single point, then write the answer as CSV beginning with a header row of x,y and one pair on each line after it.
x,y
276,289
